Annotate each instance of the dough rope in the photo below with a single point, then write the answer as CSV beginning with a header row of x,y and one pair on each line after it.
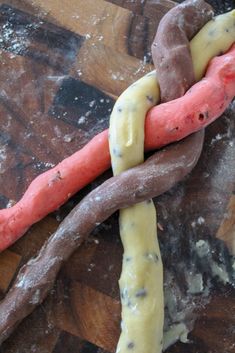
x,y
54,187
141,281
141,294
36,278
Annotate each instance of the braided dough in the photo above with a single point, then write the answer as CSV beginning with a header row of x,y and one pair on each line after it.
x,y
152,178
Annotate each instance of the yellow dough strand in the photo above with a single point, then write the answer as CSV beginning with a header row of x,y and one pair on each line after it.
x,y
141,282
215,38
127,123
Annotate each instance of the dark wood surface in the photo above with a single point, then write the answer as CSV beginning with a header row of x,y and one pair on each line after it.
x,y
57,57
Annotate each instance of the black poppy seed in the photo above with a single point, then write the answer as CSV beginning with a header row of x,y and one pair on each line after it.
x,y
130,345
142,293
116,152
149,201
128,259
119,109
124,293
227,30
129,304
149,98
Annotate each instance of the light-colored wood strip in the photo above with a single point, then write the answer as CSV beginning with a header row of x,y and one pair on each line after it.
x,y
90,315
94,309
97,266
100,66
226,231
104,20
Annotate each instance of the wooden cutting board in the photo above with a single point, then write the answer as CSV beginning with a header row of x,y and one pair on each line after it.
x,y
63,64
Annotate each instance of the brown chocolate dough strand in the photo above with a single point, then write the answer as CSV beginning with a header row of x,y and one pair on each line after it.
x,y
170,49
36,278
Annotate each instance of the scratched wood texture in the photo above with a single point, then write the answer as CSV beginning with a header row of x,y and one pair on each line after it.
x,y
63,64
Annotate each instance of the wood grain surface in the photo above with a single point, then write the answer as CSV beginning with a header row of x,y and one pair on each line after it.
x,y
63,64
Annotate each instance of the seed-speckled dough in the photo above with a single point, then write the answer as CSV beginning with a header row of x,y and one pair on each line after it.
x,y
127,123
141,282
141,296
215,38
